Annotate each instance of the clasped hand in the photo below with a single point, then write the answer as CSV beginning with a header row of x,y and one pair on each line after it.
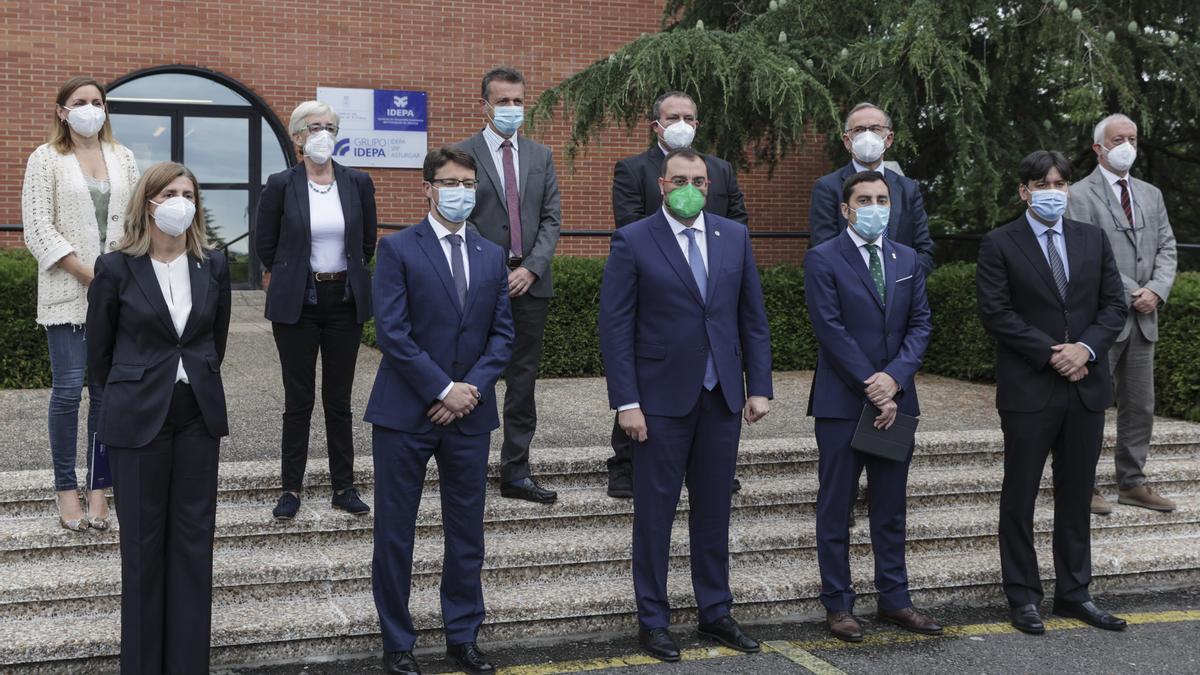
x,y
1070,360
881,390
458,403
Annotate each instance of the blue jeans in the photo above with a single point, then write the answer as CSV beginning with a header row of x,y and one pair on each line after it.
x,y
68,366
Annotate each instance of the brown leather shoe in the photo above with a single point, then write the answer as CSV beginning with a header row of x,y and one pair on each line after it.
x,y
1100,505
913,620
844,626
1145,497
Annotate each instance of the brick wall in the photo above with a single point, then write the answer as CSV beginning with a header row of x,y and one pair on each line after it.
x,y
284,50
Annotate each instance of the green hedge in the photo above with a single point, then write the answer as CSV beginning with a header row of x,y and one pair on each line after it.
x,y
1177,354
24,357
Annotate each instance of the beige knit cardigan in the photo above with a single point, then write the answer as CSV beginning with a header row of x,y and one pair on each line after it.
x,y
59,218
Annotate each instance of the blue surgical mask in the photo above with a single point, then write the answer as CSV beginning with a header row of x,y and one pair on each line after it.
x,y
456,203
508,118
1048,204
872,221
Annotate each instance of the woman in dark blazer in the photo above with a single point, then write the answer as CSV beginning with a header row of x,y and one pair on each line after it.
x,y
315,234
157,325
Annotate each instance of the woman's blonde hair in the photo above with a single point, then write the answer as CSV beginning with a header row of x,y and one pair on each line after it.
x,y
136,241
60,131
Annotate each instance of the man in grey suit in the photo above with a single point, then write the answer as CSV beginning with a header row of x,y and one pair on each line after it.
x,y
517,207
1132,213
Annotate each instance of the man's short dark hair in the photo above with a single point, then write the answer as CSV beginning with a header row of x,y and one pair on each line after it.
x,y
1038,163
443,156
686,153
657,109
503,74
861,177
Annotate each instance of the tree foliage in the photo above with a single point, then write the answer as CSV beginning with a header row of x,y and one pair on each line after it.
x,y
972,86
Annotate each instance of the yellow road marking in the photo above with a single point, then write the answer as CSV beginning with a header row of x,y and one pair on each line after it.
x,y
800,652
804,658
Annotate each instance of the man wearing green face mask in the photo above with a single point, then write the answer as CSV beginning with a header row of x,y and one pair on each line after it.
x,y
687,355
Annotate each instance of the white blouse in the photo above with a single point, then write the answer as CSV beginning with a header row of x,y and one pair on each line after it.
x,y
328,230
176,283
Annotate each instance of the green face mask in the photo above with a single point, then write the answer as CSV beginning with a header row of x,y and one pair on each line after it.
x,y
685,202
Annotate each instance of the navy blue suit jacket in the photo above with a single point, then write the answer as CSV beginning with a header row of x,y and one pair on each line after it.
x,y
858,335
635,192
656,332
427,339
134,349
908,224
283,239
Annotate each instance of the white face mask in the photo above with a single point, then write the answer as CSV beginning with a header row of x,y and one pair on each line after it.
x,y
174,216
319,147
86,120
867,147
1121,158
678,135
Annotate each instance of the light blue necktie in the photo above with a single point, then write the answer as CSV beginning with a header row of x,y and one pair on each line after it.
x,y
696,261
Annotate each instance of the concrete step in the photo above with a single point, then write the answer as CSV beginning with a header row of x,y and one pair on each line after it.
x,y
258,568
782,498
26,493
294,628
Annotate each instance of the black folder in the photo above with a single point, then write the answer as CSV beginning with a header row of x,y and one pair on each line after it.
x,y
894,443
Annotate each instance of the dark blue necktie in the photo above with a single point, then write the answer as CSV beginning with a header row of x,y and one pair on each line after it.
x,y
456,268
696,262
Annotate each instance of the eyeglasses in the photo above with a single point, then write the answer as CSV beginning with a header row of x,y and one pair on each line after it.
x,y
878,129
469,183
317,128
680,181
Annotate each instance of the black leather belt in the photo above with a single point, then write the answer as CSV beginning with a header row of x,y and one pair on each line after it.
x,y
514,263
329,276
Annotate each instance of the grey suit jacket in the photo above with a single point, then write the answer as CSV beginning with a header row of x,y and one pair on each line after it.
x,y
1146,254
541,213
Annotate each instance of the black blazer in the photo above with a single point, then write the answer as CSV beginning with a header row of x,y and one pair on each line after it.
x,y
1019,305
283,241
635,193
908,223
133,348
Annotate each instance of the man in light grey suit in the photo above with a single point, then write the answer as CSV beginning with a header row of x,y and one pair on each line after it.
x,y
1132,212
517,207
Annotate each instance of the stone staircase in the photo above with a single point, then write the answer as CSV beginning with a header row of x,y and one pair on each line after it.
x,y
289,591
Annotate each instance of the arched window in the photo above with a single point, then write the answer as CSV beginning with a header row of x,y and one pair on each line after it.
x,y
222,131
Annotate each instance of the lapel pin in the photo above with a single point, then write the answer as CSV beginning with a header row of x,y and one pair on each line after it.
x,y
717,232
893,255
197,264
477,248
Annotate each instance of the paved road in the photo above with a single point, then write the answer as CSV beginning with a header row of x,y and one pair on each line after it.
x,y
1162,639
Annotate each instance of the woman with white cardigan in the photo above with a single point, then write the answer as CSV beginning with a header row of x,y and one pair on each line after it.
x,y
73,204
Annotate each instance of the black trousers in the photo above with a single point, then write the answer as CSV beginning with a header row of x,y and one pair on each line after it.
x,y
1072,434
331,328
520,377
166,494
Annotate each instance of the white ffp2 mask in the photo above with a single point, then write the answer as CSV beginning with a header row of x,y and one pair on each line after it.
x,y
174,216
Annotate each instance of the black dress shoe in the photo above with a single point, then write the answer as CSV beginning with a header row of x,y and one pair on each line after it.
x,y
727,631
737,486
470,658
657,642
529,490
1088,613
620,484
348,501
286,507
1027,619
400,663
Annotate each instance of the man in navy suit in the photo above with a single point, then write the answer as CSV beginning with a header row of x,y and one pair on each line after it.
x,y
636,194
867,136
445,330
684,337
866,299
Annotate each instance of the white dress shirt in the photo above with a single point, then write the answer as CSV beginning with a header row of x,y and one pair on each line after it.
x,y
866,255
494,140
1060,243
859,168
682,239
176,283
1112,179
327,225
441,233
